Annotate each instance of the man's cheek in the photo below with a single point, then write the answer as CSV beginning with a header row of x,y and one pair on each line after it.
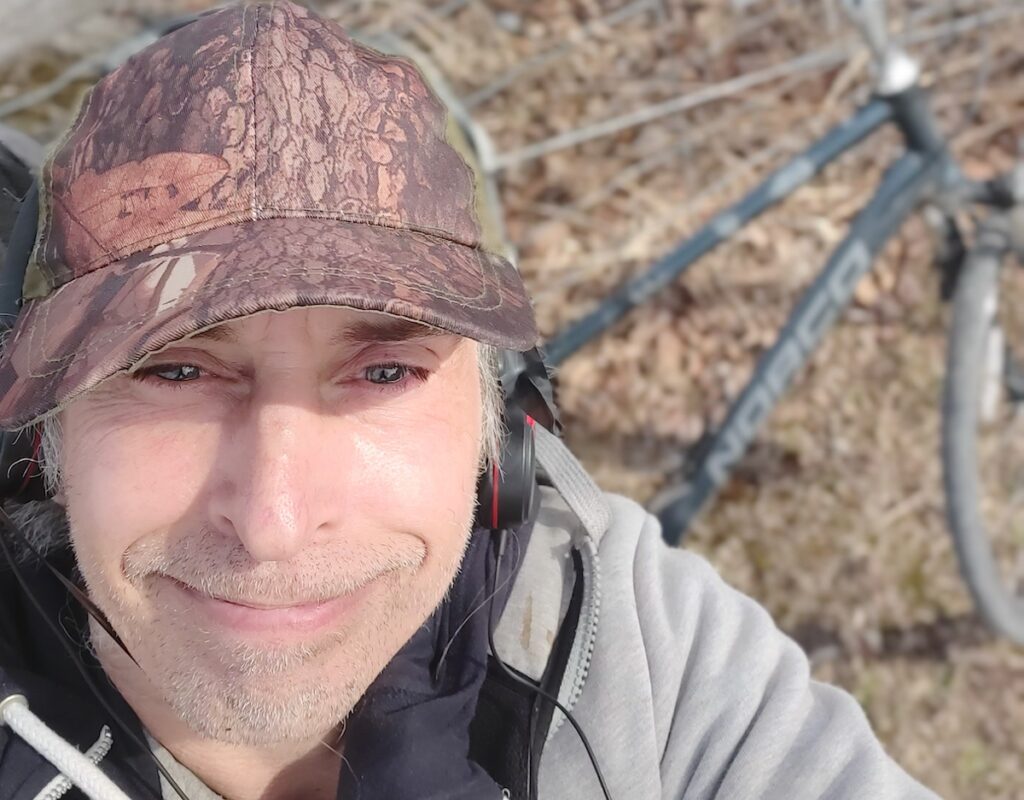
x,y
99,564
421,465
103,527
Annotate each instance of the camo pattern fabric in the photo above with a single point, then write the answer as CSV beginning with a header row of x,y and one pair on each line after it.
x,y
255,159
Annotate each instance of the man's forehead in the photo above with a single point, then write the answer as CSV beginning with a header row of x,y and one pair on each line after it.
x,y
349,327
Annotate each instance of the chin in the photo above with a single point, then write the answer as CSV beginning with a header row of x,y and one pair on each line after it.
x,y
253,715
266,696
257,693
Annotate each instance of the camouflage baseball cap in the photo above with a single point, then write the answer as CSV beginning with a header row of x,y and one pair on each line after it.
x,y
256,159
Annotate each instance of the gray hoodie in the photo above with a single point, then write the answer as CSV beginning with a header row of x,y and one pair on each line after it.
x,y
684,687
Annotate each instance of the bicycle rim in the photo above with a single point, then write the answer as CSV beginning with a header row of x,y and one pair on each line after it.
x,y
983,436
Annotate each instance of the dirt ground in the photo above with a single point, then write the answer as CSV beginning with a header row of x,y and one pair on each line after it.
x,y
835,519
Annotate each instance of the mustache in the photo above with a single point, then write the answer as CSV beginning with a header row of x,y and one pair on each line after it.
x,y
220,567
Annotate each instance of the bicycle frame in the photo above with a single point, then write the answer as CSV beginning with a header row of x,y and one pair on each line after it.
x,y
922,169
904,184
774,189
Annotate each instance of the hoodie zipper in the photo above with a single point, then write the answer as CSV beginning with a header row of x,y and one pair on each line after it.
x,y
60,785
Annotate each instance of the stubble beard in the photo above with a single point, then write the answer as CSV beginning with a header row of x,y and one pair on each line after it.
x,y
239,692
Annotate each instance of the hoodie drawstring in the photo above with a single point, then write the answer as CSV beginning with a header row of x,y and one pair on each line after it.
x,y
78,769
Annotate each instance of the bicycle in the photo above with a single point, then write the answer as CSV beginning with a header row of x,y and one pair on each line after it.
x,y
925,175
982,377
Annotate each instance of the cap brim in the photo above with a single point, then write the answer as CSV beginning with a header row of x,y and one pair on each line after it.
x,y
107,320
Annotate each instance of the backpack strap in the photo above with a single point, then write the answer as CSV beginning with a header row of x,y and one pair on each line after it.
x,y
573,515
574,484
549,617
22,147
19,156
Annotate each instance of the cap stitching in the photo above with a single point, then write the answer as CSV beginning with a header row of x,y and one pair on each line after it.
x,y
60,273
355,218
43,322
256,210
62,363
255,138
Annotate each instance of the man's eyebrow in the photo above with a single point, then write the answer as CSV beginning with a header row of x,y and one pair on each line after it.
x,y
398,330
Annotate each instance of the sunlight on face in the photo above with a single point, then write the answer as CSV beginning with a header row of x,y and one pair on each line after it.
x,y
268,511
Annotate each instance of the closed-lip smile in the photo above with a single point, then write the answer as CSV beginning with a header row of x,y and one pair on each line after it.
x,y
248,616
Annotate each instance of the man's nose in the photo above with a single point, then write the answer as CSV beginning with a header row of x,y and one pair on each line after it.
x,y
273,504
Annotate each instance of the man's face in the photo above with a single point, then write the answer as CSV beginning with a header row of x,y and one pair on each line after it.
x,y
267,511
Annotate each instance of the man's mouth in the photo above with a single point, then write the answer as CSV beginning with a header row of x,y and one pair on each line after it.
x,y
254,616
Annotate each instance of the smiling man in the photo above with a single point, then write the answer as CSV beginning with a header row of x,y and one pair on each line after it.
x,y
260,344
263,568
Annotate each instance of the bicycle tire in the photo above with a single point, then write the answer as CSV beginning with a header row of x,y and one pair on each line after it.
x,y
975,305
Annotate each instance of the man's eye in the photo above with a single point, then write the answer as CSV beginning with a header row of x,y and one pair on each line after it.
x,y
173,373
393,375
386,373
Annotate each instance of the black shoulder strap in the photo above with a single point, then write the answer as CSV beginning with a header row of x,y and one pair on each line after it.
x,y
19,245
511,725
15,180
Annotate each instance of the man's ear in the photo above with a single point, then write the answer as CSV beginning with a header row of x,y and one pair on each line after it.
x,y
60,499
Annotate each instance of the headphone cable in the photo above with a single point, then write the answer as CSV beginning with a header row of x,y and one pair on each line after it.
x,y
500,551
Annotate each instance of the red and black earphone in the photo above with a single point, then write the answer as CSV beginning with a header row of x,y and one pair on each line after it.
x,y
506,491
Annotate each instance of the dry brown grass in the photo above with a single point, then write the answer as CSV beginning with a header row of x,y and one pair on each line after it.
x,y
835,519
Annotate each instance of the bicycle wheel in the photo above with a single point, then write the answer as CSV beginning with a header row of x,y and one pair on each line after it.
x,y
983,432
